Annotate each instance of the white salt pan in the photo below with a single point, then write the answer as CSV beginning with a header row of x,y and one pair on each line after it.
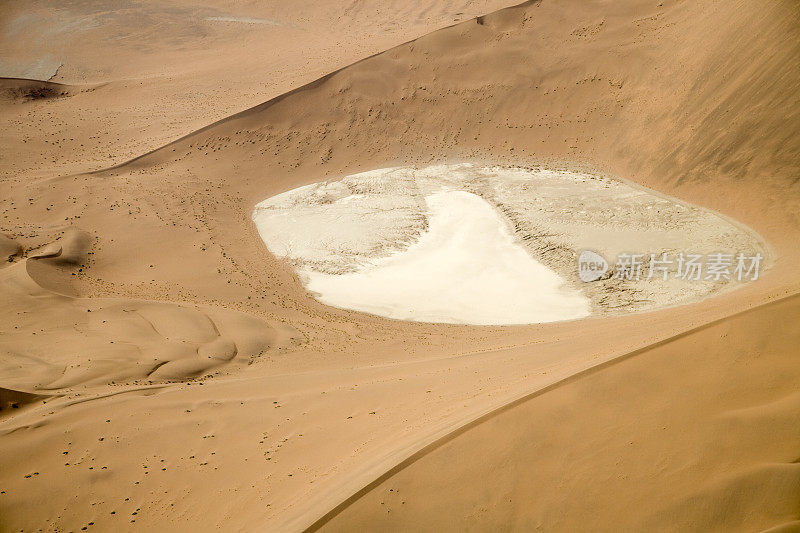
x,y
464,243
466,268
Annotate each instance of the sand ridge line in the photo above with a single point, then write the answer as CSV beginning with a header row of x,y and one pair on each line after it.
x,y
452,434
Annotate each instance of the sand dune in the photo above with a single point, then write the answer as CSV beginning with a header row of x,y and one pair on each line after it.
x,y
19,90
13,399
166,70
152,201
100,341
710,446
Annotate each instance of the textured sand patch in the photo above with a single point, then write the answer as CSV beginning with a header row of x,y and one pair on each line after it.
x,y
244,20
99,341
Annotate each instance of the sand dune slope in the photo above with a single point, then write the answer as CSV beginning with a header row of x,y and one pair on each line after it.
x,y
19,90
711,445
164,68
699,100
628,88
52,342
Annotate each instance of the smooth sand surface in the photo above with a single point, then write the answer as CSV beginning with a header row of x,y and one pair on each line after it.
x,y
294,407
598,437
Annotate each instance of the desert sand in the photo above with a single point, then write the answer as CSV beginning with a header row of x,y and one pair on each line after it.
x,y
161,370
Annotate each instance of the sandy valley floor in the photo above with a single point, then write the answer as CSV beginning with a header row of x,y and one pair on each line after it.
x,y
161,370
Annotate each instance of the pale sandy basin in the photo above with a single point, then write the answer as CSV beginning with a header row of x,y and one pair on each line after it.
x,y
466,268
464,243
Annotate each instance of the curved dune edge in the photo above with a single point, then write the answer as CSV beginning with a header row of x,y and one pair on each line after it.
x,y
91,342
13,399
21,90
453,483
